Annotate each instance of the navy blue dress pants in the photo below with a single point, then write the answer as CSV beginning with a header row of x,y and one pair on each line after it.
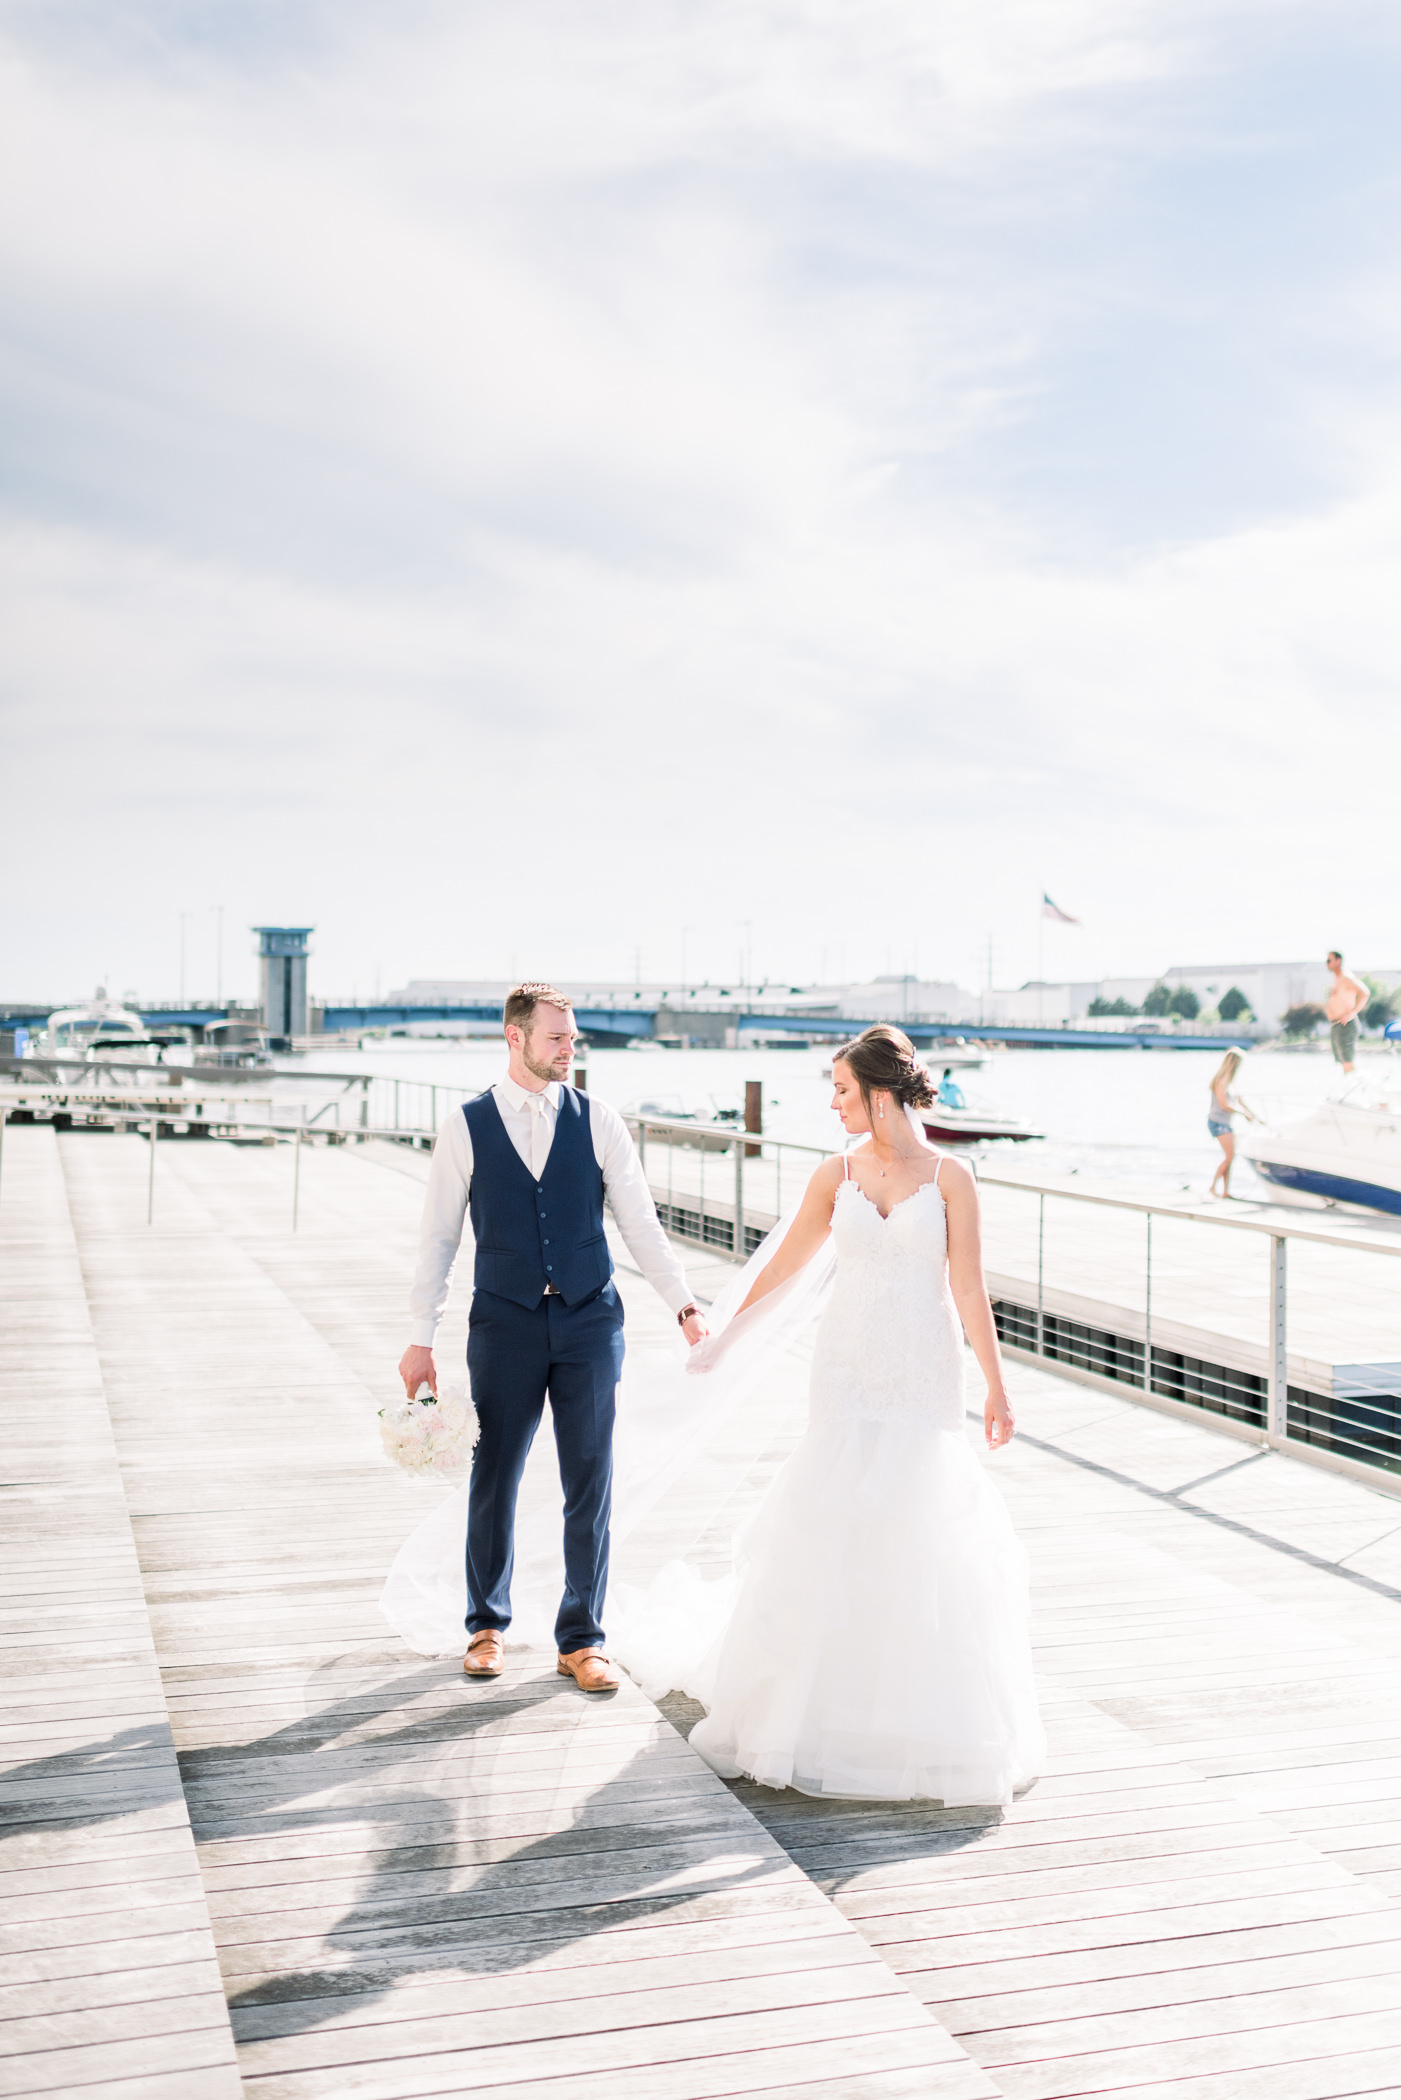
x,y
516,1355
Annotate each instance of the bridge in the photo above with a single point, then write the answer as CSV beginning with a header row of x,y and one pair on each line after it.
x,y
633,1022
623,1024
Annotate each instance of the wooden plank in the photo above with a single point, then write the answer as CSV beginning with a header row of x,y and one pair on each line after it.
x,y
807,2028
107,1960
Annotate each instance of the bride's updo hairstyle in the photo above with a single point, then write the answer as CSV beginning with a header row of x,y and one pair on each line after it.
x,y
882,1060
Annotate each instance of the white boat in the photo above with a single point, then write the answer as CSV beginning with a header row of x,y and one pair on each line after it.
x,y
99,1029
234,1046
971,1125
1344,1153
669,1105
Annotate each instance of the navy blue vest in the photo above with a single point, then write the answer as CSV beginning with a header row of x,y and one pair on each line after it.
x,y
528,1232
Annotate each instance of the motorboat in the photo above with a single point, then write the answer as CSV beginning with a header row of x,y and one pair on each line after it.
x,y
1344,1153
971,1125
100,1029
944,1061
234,1046
669,1105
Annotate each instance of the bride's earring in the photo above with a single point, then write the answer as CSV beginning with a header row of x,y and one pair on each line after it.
x,y
880,1109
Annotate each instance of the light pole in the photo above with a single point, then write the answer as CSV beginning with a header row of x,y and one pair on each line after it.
x,y
218,911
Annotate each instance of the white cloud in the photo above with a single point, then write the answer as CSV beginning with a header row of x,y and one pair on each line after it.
x,y
510,481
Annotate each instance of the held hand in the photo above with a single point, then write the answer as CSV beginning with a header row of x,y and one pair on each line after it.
x,y
999,1423
416,1368
694,1329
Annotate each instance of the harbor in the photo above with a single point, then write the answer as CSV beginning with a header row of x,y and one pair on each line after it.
x,y
253,1845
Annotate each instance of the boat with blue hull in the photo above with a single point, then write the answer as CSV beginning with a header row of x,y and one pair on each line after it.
x,y
1345,1153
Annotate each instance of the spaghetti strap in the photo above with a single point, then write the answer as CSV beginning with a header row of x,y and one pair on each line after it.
x,y
846,1166
938,1170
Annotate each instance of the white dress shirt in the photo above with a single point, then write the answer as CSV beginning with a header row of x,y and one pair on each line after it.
x,y
529,1119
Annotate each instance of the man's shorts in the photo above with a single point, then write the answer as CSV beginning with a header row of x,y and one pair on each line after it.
x,y
1343,1036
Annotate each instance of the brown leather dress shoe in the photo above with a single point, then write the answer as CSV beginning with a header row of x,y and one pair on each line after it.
x,y
590,1669
486,1654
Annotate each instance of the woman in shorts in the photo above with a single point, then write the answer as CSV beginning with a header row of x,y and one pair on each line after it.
x,y
1219,1118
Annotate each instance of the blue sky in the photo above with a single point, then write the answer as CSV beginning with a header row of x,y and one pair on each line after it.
x,y
505,485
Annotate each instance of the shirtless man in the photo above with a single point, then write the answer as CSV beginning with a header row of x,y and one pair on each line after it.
x,y
1345,1002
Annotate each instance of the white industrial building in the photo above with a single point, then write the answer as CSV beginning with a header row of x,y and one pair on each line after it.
x,y
1269,988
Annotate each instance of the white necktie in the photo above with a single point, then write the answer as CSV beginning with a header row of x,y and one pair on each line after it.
x,y
539,1135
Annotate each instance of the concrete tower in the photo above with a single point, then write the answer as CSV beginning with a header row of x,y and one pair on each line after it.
x,y
282,958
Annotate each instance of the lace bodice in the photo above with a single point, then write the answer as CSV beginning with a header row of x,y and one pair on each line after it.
x,y
890,1346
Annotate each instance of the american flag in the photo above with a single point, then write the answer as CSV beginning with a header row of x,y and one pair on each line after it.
x,y
1051,910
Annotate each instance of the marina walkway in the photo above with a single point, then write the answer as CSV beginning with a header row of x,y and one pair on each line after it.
x,y
249,1844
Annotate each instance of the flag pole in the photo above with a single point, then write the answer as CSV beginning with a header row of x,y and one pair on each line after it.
x,y
1041,960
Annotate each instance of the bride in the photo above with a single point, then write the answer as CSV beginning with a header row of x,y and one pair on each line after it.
x,y
878,1642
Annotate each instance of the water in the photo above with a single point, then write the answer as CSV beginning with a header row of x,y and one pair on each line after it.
x,y
1128,1117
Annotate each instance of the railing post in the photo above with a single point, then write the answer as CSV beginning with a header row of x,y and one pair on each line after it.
x,y
297,1169
151,1169
365,1104
1148,1309
396,1104
1040,1273
740,1151
753,1113
3,1113
1278,1421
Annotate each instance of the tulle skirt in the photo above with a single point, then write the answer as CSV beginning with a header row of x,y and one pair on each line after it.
x,y
876,1643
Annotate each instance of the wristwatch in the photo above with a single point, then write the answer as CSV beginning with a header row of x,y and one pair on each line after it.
x,y
685,1314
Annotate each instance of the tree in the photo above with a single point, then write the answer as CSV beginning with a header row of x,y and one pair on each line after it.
x,y
1303,1019
1111,1006
1185,1002
1159,1001
1235,1006
1383,1006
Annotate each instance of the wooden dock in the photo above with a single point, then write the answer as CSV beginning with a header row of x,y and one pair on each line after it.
x,y
249,1844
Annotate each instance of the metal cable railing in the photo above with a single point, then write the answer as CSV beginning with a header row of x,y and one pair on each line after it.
x,y
721,1187
1357,1422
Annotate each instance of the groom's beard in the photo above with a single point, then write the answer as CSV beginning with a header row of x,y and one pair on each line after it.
x,y
545,1072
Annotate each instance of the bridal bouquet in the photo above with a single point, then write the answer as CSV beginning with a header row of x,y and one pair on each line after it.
x,y
429,1438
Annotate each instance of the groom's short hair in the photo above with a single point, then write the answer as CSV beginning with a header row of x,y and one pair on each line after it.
x,y
522,1000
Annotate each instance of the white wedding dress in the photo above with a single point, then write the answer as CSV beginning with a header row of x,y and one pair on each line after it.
x,y
878,1642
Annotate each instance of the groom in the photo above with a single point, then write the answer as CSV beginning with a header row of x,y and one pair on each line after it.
x,y
532,1161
